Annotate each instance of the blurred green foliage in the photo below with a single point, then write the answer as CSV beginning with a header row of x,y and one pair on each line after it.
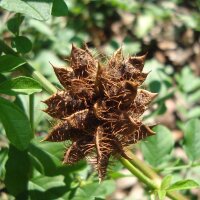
x,y
42,31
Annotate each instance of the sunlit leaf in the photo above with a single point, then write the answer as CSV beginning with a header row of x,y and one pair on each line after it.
x,y
37,9
20,85
94,190
43,187
183,185
192,139
157,148
166,182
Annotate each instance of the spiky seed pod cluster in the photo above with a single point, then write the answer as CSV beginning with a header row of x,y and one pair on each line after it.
x,y
100,108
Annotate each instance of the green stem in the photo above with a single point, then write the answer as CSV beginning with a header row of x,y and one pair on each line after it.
x,y
151,184
136,167
31,111
177,168
146,170
49,87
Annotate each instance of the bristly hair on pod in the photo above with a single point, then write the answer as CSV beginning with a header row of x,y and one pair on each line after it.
x,y
99,110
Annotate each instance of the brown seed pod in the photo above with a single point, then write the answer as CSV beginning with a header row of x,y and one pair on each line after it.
x,y
100,108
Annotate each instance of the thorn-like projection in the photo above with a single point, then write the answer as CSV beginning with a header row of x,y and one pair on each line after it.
x,y
99,108
138,61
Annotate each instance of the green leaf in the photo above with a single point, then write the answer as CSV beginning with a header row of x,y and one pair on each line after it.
x,y
192,139
51,155
159,81
41,27
156,149
36,163
9,62
166,182
48,182
194,96
20,85
22,44
2,78
158,12
14,23
40,10
18,101
95,190
42,187
17,171
16,124
187,76
193,113
161,194
130,47
183,185
59,8
144,23
190,21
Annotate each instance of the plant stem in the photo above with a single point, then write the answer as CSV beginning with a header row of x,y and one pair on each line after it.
x,y
138,168
31,111
148,182
49,87
151,184
145,169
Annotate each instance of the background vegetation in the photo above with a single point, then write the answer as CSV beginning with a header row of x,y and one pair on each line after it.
x,y
34,33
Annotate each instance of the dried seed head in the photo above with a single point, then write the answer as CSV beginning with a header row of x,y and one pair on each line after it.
x,y
100,108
